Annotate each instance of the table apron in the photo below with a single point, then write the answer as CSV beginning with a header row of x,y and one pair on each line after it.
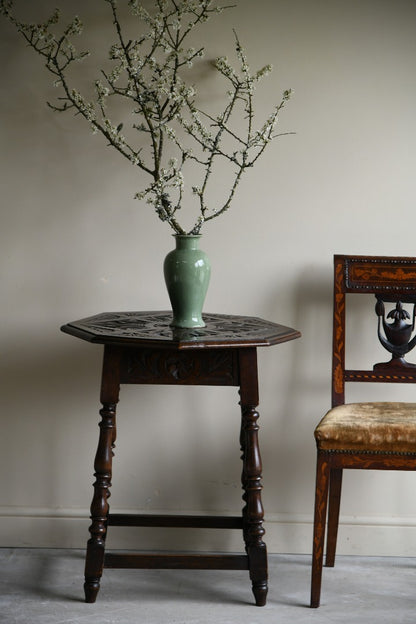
x,y
213,367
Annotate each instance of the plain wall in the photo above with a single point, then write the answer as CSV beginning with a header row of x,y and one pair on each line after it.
x,y
74,243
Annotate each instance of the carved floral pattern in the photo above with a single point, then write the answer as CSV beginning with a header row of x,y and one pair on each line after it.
x,y
164,366
154,326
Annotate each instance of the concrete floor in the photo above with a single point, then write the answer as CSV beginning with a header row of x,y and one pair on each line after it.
x,y
45,587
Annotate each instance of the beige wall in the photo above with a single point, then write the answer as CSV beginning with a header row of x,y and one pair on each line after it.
x,y
75,243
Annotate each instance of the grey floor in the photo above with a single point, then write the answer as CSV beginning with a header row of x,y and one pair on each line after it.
x,y
45,586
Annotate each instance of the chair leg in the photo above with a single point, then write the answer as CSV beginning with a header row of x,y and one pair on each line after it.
x,y
321,503
335,483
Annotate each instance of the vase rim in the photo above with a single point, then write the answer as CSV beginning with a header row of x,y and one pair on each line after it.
x,y
187,235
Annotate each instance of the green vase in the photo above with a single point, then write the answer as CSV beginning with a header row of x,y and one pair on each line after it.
x,y
187,271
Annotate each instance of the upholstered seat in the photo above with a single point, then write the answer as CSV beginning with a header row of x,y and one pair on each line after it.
x,y
384,427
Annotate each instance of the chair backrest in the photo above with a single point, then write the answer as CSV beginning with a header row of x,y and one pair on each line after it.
x,y
393,281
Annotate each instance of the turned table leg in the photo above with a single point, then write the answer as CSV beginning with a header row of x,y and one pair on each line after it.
x,y
103,471
253,512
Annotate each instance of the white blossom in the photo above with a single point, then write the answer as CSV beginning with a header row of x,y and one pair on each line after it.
x,y
76,27
86,108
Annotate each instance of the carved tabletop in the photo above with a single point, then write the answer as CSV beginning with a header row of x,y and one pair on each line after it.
x,y
152,329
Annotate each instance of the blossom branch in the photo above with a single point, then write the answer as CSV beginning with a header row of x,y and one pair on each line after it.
x,y
149,72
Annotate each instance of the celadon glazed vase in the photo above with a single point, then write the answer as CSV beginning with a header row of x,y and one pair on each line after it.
x,y
187,271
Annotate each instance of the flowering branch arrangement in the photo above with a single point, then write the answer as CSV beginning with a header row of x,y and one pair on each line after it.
x,y
168,131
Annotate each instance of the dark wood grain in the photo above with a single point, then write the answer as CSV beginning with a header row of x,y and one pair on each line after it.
x,y
141,348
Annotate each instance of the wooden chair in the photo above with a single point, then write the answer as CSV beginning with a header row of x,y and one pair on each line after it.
x,y
381,435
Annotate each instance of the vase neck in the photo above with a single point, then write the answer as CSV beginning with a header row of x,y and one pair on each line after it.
x,y
187,241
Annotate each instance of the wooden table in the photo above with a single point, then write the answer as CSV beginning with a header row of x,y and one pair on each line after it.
x,y
141,348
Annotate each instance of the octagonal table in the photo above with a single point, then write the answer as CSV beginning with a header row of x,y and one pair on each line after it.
x,y
142,348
